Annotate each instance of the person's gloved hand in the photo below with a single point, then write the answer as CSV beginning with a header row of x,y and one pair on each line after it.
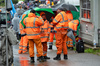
x,y
52,28
50,20
76,36
69,30
75,31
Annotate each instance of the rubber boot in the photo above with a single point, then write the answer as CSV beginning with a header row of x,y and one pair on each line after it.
x,y
32,60
41,59
37,58
57,57
50,47
45,57
65,57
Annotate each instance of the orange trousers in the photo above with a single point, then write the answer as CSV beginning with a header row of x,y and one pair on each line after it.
x,y
69,42
38,47
44,48
44,44
52,36
61,42
23,45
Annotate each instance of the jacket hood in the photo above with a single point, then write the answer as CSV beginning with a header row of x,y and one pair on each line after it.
x,y
31,15
15,15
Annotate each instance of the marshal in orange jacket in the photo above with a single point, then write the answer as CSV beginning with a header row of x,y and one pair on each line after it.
x,y
32,26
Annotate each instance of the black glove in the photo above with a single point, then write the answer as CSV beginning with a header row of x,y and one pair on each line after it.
x,y
50,20
52,28
23,35
75,31
69,30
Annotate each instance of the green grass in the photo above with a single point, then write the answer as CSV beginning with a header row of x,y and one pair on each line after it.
x,y
74,48
89,50
2,3
93,51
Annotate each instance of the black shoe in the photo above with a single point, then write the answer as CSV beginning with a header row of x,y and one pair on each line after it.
x,y
65,57
50,47
32,60
72,48
37,58
45,57
68,47
41,59
57,57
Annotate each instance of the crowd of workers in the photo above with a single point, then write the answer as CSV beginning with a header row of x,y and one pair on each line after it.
x,y
38,30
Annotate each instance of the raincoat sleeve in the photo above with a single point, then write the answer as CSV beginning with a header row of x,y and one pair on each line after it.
x,y
15,23
18,25
39,22
12,22
57,19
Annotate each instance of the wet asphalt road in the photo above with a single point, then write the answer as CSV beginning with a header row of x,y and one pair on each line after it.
x,y
74,59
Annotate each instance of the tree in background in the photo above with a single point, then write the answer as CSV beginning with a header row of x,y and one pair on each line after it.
x,y
15,1
2,2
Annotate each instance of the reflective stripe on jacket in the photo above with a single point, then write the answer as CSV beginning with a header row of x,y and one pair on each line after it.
x,y
61,21
73,25
44,31
32,26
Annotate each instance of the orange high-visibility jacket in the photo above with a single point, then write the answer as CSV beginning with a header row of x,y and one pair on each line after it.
x,y
21,28
73,25
48,2
45,33
51,26
32,26
44,30
69,16
61,21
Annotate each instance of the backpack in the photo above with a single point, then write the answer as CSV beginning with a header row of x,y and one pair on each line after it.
x,y
80,46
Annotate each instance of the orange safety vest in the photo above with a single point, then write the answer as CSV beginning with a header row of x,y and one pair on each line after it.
x,y
52,28
69,16
44,32
32,26
61,21
73,25
21,28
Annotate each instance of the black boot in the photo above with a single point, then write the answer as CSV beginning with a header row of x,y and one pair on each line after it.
x,y
50,47
57,57
32,60
65,57
37,58
45,57
41,59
